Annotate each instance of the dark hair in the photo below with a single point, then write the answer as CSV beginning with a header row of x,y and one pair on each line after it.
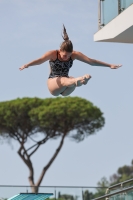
x,y
67,44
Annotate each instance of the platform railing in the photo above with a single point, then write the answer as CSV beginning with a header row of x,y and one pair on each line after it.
x,y
120,191
109,9
120,184
115,193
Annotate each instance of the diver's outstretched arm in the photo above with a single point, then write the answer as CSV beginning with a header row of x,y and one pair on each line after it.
x,y
47,56
79,56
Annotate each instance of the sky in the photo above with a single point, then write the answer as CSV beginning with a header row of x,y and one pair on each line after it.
x,y
30,28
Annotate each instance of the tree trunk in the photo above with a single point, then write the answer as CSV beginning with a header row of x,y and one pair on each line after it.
x,y
34,189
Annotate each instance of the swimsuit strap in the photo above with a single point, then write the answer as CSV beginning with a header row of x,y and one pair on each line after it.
x,y
57,54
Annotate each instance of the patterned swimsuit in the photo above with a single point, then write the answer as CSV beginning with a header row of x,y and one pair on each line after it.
x,y
60,68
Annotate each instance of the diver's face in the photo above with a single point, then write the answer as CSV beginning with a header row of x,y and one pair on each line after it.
x,y
65,55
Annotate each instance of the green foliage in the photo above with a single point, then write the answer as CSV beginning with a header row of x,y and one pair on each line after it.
x,y
123,173
15,119
66,197
102,184
52,114
63,115
88,195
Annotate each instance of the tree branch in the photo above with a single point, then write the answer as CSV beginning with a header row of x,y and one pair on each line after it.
x,y
37,146
38,143
32,139
51,160
34,150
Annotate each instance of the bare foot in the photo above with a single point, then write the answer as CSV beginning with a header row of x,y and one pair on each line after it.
x,y
79,81
82,80
86,77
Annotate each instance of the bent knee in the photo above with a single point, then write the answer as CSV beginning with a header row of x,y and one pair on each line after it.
x,y
64,94
55,94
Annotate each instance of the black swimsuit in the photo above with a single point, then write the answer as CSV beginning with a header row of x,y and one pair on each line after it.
x,y
60,68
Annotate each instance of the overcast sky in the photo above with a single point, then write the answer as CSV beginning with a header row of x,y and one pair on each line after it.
x,y
28,29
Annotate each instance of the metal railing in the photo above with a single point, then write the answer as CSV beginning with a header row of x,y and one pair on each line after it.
x,y
70,192
109,9
120,184
64,192
121,190
114,193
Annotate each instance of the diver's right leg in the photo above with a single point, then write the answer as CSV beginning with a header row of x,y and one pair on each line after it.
x,y
86,78
71,82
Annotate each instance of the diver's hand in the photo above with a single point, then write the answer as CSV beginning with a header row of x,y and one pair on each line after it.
x,y
115,66
23,67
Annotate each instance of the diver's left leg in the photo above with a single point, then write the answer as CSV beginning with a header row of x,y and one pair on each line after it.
x,y
68,90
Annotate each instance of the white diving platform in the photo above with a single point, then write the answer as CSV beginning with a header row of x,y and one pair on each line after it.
x,y
120,29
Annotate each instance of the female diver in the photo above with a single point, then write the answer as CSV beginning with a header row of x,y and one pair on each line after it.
x,y
60,62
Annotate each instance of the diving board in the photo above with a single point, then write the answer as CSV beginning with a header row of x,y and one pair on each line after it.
x,y
31,196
